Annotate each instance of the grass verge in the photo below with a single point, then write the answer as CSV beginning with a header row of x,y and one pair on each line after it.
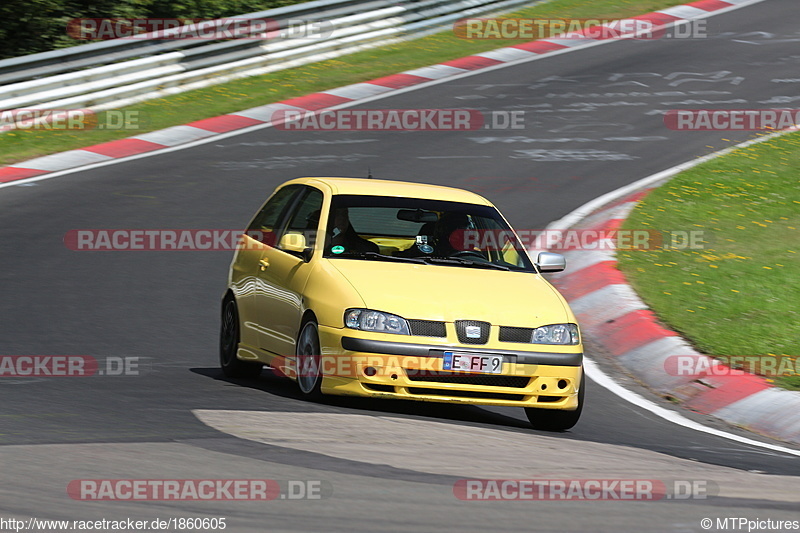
x,y
738,296
250,92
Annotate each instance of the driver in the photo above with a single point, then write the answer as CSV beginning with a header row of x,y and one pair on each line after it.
x,y
448,234
343,234
443,238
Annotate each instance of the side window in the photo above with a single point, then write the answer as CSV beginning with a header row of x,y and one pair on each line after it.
x,y
305,216
265,224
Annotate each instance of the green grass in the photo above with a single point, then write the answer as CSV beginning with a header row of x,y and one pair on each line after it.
x,y
739,295
260,90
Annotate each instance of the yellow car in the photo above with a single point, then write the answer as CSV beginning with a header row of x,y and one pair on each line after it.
x,y
388,289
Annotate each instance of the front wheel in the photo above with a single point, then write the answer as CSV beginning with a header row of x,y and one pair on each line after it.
x,y
557,419
232,366
309,361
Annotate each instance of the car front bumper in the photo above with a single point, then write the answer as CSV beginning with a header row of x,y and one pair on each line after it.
x,y
361,366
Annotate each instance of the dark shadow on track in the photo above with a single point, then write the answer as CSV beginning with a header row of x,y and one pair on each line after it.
x,y
617,428
283,387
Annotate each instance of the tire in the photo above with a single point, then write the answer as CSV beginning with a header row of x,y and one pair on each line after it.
x,y
308,359
229,337
557,419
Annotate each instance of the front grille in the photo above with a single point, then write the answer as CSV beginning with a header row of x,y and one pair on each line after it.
x,y
427,328
467,394
461,331
517,382
511,334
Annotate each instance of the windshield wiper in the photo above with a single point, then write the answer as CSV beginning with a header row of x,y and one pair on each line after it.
x,y
384,257
463,262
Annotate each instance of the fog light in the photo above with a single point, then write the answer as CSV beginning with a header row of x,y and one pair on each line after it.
x,y
562,383
370,371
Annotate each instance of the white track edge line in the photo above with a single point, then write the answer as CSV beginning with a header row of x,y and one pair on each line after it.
x,y
593,370
602,379
573,217
423,85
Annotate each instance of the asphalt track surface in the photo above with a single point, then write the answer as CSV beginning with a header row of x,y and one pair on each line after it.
x,y
593,124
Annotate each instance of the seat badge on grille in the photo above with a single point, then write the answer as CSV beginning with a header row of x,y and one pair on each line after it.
x,y
473,332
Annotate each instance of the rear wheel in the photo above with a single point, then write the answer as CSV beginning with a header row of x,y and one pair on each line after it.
x,y
232,366
557,419
309,361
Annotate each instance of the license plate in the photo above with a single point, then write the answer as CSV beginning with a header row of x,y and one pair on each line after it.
x,y
468,362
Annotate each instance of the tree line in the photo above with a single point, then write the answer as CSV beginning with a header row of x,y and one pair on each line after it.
x,y
31,26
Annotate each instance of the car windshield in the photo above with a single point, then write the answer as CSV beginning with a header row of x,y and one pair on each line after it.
x,y
380,228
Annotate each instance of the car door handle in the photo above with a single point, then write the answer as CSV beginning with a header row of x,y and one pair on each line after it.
x,y
263,264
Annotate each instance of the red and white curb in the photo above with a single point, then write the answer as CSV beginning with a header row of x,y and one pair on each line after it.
x,y
261,116
607,307
611,313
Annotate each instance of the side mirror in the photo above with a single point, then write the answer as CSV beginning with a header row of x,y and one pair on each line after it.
x,y
295,244
550,262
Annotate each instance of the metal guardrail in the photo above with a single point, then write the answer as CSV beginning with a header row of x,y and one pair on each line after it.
x,y
119,72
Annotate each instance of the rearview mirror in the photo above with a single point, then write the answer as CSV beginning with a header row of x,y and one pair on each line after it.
x,y
295,244
550,262
417,215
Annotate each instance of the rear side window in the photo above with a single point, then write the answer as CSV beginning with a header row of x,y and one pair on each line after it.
x,y
305,216
267,222
270,215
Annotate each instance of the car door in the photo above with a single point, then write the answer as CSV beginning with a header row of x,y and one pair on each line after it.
x,y
284,275
245,278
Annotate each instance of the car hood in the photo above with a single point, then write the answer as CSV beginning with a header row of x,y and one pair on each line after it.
x,y
449,293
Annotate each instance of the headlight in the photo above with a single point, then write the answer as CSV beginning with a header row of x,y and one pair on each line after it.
x,y
369,320
556,334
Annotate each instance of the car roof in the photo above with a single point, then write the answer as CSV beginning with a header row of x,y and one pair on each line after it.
x,y
403,189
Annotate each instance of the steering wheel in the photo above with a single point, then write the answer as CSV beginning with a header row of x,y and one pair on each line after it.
x,y
469,253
